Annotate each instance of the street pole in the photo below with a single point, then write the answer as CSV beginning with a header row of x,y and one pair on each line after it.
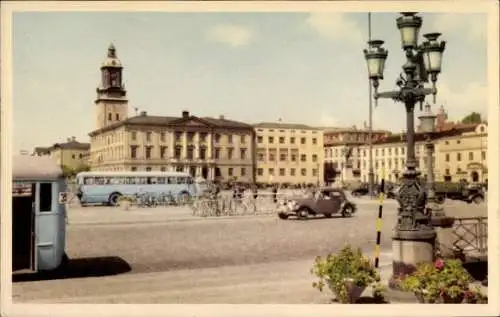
x,y
414,236
371,174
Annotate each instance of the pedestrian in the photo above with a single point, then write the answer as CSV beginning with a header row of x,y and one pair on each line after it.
x,y
255,192
275,194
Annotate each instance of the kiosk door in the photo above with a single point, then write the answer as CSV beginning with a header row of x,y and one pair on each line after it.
x,y
23,226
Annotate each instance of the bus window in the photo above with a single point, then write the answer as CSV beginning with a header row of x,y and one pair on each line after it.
x,y
190,180
161,180
100,181
153,180
171,180
89,181
45,197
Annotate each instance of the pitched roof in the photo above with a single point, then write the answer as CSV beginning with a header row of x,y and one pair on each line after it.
x,y
169,121
279,125
420,136
70,145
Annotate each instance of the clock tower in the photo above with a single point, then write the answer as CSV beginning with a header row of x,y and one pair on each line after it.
x,y
111,102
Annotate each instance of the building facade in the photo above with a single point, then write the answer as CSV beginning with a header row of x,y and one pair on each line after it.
x,y
288,153
71,154
345,152
464,155
216,149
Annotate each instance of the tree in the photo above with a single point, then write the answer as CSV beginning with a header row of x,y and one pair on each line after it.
x,y
473,117
82,168
67,171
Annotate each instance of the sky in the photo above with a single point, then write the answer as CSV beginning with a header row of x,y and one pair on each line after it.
x,y
253,67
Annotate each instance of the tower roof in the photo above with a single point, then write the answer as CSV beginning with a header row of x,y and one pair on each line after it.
x,y
111,59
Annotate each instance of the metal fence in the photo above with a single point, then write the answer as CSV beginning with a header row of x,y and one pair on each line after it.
x,y
467,239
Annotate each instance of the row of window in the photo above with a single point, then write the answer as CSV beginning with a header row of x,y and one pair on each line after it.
x,y
283,172
283,131
190,152
470,156
190,137
261,157
132,180
281,140
397,151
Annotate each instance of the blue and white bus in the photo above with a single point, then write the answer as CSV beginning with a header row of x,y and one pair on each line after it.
x,y
107,187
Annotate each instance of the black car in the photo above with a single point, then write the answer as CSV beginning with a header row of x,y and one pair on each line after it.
x,y
360,191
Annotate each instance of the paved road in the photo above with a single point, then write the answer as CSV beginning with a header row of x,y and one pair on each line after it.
x,y
168,256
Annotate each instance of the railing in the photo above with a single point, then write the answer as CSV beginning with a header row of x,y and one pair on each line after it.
x,y
470,237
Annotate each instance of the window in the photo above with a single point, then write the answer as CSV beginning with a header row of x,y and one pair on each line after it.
x,y
229,154
458,141
190,136
314,141
148,136
243,171
148,152
73,156
243,154
133,169
303,172
117,117
315,172
162,136
203,137
292,140
446,142
133,151
459,170
303,157
271,157
217,153
190,153
383,151
293,158
314,157
270,139
163,169
282,157
203,153
133,135
45,197
242,139
282,172
389,151
260,171
259,139
217,138
230,139
261,157
230,171
292,172
447,157
282,140
163,151
148,169
271,171
80,156
302,140
178,152
459,157
471,156
178,136
483,155
110,116
396,151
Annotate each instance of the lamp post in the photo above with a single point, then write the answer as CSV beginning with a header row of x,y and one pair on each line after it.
x,y
428,125
414,236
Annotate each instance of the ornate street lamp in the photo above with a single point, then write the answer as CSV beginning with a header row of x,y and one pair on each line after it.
x,y
414,235
428,126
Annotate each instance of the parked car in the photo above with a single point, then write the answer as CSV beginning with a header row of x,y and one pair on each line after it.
x,y
360,191
459,191
326,201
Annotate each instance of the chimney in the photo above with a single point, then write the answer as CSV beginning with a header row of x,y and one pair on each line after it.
x,y
144,113
185,114
221,117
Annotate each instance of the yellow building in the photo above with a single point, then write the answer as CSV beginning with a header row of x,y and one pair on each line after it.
x,y
464,155
71,154
212,148
288,153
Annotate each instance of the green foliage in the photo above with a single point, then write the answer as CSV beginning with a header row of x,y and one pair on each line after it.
x,y
473,117
347,265
67,171
82,168
441,281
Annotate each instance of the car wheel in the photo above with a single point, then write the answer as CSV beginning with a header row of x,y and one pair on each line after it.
x,y
355,194
478,200
302,213
347,211
113,199
282,215
328,215
440,199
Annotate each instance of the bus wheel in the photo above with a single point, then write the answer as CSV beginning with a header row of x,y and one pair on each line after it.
x,y
113,199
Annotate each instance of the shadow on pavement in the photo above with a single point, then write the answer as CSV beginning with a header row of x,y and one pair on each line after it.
x,y
477,269
77,268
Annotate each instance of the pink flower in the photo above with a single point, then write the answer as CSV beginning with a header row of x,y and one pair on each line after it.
x,y
439,264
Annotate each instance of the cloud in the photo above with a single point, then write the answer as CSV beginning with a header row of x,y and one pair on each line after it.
x,y
327,120
335,26
230,34
462,101
473,26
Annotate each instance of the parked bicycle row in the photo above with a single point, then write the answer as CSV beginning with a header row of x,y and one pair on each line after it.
x,y
228,206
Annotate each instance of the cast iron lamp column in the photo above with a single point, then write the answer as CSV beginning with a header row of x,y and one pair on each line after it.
x,y
414,236
428,125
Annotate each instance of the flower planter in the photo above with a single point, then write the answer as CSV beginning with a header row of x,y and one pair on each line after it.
x,y
353,291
